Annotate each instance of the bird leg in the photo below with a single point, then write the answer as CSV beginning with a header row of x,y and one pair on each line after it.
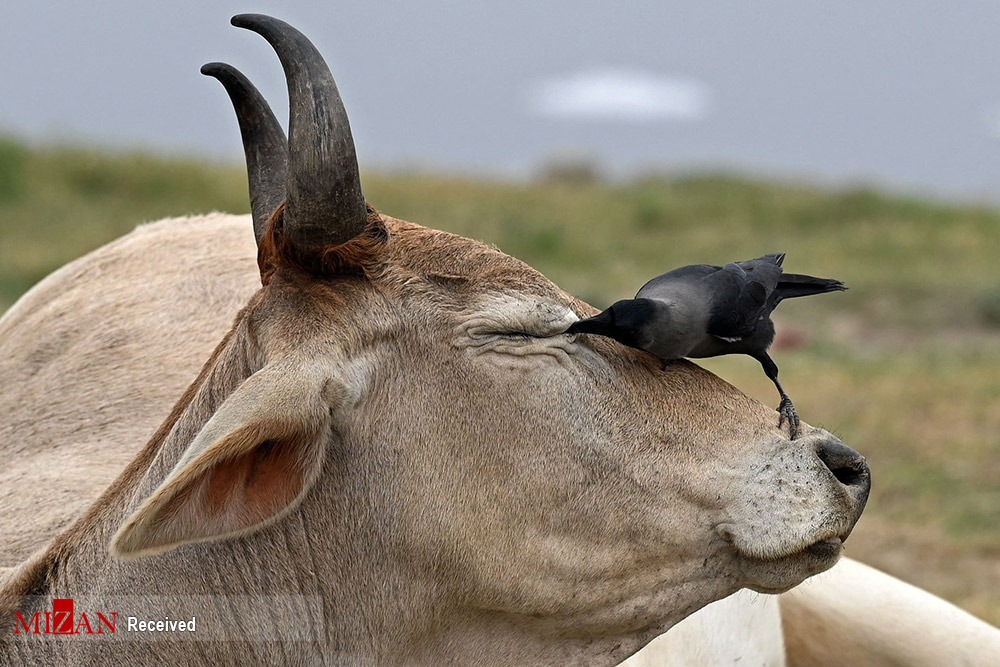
x,y
785,408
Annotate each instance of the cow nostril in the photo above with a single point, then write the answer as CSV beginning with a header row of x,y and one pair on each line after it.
x,y
849,475
847,466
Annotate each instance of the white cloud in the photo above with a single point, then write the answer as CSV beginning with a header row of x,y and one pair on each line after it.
x,y
621,95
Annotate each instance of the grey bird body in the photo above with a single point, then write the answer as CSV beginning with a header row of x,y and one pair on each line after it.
x,y
706,311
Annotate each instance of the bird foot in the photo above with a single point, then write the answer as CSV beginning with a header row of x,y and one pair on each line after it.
x,y
786,411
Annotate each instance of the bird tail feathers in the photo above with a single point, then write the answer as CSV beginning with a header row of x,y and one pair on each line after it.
x,y
793,284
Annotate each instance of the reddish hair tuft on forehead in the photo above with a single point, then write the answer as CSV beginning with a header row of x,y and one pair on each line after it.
x,y
357,256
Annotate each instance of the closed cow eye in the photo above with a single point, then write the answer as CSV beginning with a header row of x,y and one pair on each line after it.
x,y
518,349
516,318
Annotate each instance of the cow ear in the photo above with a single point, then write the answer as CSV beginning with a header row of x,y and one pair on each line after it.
x,y
252,462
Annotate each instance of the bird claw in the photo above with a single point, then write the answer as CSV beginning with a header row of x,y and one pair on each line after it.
x,y
786,411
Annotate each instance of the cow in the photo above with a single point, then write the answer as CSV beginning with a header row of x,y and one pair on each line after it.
x,y
120,332
395,434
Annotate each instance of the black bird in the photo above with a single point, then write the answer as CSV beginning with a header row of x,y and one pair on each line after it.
x,y
705,311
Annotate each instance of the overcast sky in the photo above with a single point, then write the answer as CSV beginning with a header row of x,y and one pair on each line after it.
x,y
899,93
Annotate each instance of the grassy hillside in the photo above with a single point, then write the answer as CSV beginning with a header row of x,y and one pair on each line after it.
x,y
905,366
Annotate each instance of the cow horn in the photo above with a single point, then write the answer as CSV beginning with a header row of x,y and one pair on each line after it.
x,y
264,143
325,206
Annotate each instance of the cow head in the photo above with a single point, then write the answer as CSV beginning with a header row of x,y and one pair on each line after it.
x,y
409,395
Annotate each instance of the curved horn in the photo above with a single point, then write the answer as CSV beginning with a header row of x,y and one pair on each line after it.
x,y
263,143
325,206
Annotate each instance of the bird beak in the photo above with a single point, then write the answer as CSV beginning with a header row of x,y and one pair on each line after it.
x,y
601,324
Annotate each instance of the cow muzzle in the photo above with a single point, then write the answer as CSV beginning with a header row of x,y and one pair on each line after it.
x,y
798,505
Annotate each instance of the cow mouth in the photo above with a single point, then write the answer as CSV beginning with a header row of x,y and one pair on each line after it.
x,y
777,573
775,570
830,547
830,542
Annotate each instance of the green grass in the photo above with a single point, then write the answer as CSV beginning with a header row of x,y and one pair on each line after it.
x,y
905,366
58,203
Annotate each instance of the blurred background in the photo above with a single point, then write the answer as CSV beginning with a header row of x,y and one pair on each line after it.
x,y
604,144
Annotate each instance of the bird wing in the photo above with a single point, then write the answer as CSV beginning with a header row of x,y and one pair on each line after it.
x,y
664,286
739,300
732,298
767,271
775,258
